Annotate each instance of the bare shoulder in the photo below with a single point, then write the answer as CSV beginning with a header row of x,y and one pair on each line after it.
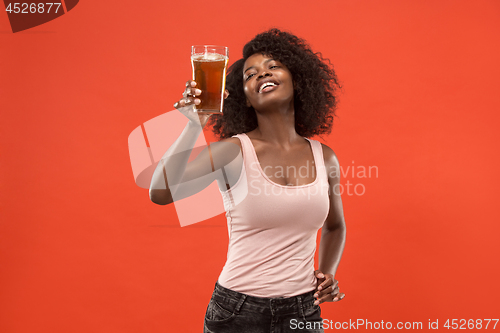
x,y
232,140
330,157
225,151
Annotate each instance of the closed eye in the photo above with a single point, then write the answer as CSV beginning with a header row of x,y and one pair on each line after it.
x,y
249,76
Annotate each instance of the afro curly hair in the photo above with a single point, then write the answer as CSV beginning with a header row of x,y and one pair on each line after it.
x,y
315,92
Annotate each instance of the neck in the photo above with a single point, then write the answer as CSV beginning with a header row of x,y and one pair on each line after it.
x,y
277,126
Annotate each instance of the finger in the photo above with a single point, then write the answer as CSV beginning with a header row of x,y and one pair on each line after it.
x,y
181,103
184,101
324,292
191,83
329,298
319,278
338,297
324,298
335,290
330,290
226,94
187,92
328,282
319,274
191,92
335,295
325,289
335,284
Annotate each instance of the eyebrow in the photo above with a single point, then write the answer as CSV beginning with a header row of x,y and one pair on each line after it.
x,y
265,62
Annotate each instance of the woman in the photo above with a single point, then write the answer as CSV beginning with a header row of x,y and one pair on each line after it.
x,y
278,94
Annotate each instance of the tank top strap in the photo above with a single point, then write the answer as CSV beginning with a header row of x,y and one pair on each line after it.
x,y
247,147
319,160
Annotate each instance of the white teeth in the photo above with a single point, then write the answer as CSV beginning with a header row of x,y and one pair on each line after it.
x,y
267,84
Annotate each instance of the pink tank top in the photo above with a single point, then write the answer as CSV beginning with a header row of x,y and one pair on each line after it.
x,y
272,229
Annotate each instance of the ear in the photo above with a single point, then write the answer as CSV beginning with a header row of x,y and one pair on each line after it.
x,y
248,103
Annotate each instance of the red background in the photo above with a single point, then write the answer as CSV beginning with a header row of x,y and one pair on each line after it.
x,y
82,249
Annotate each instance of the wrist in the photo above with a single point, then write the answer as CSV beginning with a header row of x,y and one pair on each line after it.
x,y
194,125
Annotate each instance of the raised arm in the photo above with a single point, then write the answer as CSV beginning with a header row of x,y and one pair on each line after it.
x,y
174,178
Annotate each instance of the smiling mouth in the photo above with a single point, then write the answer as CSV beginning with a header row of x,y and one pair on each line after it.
x,y
267,86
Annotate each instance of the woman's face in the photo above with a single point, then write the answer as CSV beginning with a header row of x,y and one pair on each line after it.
x,y
266,82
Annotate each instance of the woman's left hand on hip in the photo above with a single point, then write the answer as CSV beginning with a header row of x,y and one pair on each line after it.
x,y
327,289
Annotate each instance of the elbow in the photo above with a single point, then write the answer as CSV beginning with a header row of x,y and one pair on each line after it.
x,y
160,197
340,227
337,226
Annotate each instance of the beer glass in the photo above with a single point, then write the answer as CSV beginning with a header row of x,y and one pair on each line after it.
x,y
209,64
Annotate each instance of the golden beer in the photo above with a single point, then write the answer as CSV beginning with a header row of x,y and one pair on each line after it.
x,y
209,72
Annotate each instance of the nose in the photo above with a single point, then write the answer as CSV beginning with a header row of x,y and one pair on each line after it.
x,y
264,74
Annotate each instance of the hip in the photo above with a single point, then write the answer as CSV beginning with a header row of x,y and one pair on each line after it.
x,y
232,311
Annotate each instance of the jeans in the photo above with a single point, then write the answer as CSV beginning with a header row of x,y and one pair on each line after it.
x,y
233,312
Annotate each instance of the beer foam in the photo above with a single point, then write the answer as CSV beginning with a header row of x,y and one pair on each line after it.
x,y
208,57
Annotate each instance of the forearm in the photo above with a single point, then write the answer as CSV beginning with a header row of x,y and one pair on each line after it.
x,y
331,248
173,163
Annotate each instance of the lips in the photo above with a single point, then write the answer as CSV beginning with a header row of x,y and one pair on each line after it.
x,y
266,83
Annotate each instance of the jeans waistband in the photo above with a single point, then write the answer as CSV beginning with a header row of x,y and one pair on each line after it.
x,y
302,298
